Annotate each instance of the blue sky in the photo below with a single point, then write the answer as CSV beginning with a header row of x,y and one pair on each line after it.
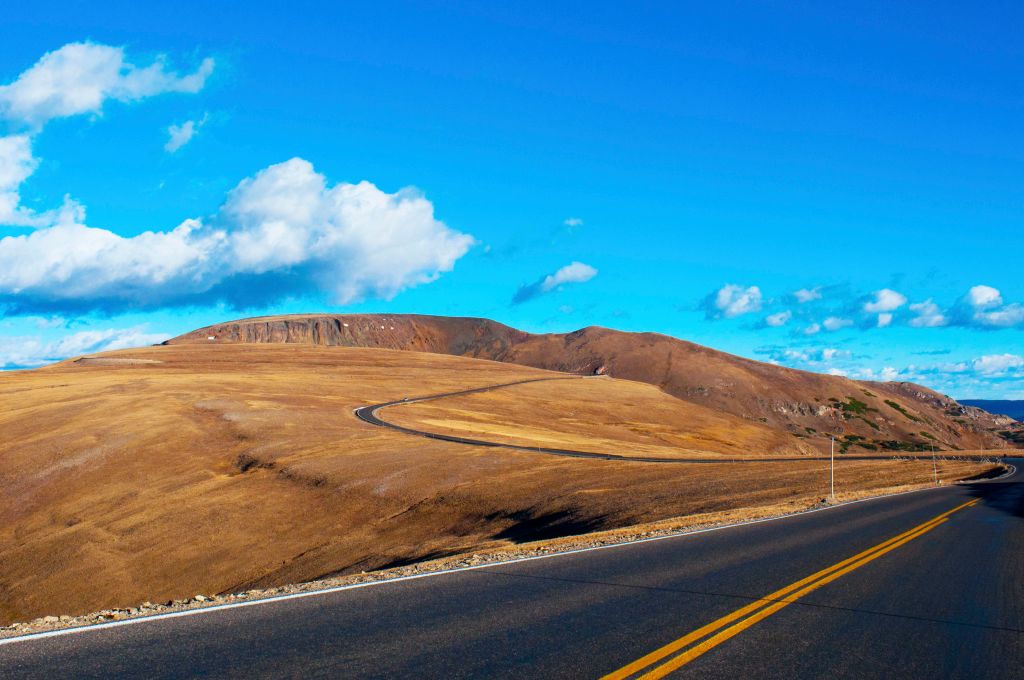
x,y
830,188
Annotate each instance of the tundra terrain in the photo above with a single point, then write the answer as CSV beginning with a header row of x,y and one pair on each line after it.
x,y
157,473
866,416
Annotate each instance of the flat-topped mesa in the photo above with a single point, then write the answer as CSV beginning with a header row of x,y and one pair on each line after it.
x,y
440,335
873,416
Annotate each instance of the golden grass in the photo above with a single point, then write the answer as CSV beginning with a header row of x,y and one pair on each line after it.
x,y
157,473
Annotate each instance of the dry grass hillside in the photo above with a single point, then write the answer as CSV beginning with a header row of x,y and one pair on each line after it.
x,y
867,416
157,473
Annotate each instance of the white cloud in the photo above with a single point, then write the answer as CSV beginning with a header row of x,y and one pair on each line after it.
x,y
997,364
807,294
834,323
573,222
838,372
577,272
984,297
809,357
346,240
886,300
79,77
778,319
884,320
830,354
180,135
29,352
89,342
731,301
1009,316
75,79
928,315
16,165
889,374
813,329
983,307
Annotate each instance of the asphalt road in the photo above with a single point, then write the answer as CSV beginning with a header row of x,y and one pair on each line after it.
x,y
922,585
370,414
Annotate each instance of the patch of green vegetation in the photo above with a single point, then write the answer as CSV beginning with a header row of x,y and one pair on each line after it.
x,y
928,435
870,422
870,394
855,408
1012,436
811,430
853,440
902,410
896,445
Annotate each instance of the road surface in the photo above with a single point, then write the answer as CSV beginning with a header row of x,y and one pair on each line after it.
x,y
370,414
921,585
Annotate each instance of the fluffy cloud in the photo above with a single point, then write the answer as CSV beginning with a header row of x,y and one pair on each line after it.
x,y
927,315
984,297
983,307
731,301
834,323
889,374
804,357
997,364
885,300
807,294
180,135
16,165
79,77
281,233
28,352
573,222
576,272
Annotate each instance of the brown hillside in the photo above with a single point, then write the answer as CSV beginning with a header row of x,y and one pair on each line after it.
x,y
866,416
158,473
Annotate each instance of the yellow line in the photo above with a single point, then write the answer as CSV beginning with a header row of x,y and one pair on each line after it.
x,y
773,602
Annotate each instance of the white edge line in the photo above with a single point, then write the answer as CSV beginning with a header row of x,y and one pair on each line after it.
x,y
352,586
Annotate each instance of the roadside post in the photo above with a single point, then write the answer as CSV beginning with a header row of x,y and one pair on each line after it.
x,y
832,468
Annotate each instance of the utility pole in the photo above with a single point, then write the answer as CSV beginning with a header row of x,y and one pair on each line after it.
x,y
832,468
935,469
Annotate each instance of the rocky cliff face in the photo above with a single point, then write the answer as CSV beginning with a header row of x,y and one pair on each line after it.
x,y
864,416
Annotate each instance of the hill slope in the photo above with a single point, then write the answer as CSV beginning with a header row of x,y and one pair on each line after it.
x,y
864,415
162,472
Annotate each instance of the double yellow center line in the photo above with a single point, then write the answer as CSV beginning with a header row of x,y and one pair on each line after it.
x,y
678,653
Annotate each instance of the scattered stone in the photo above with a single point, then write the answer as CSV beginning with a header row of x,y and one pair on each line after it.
x,y
200,598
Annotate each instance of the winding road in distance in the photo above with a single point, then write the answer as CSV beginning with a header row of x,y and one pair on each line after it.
x,y
922,585
369,415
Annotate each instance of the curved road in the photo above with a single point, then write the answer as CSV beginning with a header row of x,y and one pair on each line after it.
x,y
369,415
922,585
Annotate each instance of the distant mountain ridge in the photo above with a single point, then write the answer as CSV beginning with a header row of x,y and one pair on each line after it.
x,y
1004,407
864,416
